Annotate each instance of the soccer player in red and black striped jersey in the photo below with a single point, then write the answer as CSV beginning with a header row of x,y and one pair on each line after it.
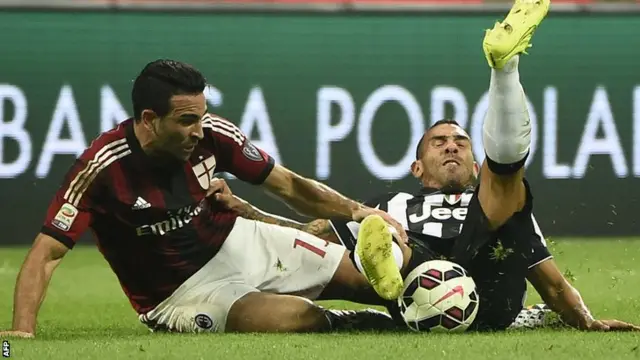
x,y
186,263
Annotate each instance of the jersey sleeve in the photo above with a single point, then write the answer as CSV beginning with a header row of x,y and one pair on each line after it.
x,y
71,210
380,201
237,155
346,231
538,246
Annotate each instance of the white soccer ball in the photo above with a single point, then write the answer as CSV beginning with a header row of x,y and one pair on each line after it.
x,y
439,296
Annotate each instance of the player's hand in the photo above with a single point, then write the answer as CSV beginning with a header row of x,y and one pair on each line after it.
x,y
16,334
612,325
218,186
400,234
221,192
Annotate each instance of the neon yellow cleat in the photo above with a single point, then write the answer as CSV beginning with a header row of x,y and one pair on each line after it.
x,y
511,36
374,248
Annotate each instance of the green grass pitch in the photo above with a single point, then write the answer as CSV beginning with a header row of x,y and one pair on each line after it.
x,y
86,316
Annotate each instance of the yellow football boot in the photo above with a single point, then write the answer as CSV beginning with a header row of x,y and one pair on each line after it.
x,y
511,36
374,248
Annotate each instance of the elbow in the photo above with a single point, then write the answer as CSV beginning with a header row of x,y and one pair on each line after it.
x,y
551,295
303,190
288,192
307,197
37,261
303,195
281,184
556,287
297,194
561,297
295,188
46,251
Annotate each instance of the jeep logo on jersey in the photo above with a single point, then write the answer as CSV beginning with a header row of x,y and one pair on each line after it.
x,y
441,207
177,220
204,171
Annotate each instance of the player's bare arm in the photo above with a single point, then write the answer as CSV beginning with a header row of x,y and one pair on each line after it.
x,y
565,300
312,198
33,280
319,227
308,196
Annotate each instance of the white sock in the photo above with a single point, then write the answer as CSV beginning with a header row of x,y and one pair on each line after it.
x,y
506,128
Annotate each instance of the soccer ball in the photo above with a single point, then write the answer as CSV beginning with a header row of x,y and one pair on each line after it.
x,y
439,296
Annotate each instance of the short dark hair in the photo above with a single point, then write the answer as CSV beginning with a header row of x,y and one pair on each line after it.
x,y
159,81
437,123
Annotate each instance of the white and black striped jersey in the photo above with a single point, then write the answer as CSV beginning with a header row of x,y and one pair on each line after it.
x,y
434,218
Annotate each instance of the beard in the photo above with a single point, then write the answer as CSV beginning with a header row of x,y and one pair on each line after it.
x,y
457,185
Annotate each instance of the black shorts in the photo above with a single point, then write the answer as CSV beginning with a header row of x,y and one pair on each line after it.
x,y
498,261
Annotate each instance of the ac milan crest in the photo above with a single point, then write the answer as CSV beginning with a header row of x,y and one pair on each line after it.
x,y
204,171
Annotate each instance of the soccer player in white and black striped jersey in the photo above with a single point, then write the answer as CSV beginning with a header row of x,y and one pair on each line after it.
x,y
435,216
445,211
479,218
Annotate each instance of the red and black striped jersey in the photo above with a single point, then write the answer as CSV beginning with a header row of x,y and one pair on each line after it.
x,y
152,222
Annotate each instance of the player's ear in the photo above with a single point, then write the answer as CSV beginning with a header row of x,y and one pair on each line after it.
x,y
476,169
150,120
148,116
416,169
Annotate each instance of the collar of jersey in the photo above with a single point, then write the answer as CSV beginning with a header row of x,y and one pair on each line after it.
x,y
430,190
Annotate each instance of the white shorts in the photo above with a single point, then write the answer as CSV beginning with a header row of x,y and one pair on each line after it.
x,y
255,257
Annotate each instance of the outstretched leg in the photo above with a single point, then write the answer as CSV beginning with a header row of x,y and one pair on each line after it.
x,y
261,312
507,127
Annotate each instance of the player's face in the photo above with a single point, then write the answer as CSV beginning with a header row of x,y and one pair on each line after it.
x,y
447,158
178,133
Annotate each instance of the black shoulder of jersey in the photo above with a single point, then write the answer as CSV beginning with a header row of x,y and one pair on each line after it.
x,y
380,199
